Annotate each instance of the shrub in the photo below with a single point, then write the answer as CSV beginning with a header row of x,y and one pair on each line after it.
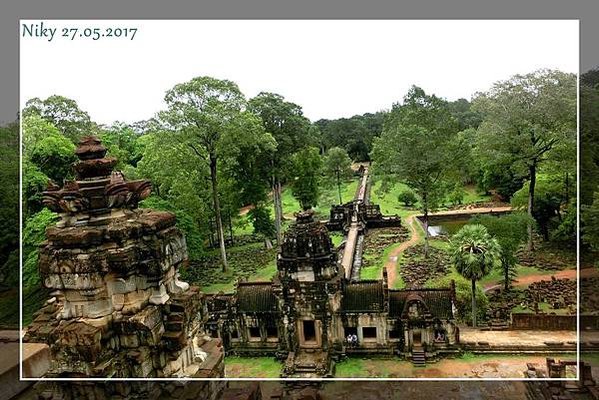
x,y
34,233
456,196
407,197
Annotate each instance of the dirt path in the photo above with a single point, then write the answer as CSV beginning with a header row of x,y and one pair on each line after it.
x,y
565,274
391,263
244,210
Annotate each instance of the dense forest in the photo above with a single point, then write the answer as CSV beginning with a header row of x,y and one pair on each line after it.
x,y
213,152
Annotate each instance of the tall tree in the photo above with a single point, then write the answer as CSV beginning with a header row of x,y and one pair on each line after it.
x,y
47,154
474,253
121,141
9,204
337,165
291,131
307,165
64,113
525,118
208,116
510,231
418,147
589,136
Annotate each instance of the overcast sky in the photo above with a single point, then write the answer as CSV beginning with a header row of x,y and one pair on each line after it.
x,y
332,69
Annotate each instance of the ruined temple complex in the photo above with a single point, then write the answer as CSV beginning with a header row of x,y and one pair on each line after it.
x,y
117,308
316,309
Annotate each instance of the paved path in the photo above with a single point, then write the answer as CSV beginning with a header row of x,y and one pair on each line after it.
x,y
590,272
520,337
347,261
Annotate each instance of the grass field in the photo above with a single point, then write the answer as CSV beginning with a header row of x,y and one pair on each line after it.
x,y
328,196
390,205
252,367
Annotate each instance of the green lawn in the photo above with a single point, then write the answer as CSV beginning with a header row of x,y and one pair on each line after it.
x,y
496,275
328,197
251,261
390,205
337,238
265,273
252,367
375,270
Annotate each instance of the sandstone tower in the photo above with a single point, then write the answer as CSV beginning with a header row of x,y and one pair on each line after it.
x,y
117,308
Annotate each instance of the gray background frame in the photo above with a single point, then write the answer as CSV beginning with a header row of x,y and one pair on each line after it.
x,y
10,13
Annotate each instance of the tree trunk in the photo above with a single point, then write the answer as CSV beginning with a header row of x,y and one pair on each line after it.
x,y
276,201
280,203
567,189
506,273
339,188
425,203
219,222
531,199
267,244
230,227
473,303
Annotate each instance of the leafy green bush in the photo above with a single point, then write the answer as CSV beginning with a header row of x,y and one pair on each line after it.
x,y
34,233
407,197
456,196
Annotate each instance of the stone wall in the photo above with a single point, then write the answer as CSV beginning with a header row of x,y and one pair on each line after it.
x,y
546,322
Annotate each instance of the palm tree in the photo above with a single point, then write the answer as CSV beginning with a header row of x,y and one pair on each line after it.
x,y
474,254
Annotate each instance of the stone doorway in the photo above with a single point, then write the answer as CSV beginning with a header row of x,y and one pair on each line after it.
x,y
309,332
417,338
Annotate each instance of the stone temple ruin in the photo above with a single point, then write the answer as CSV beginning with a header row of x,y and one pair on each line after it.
x,y
309,309
117,308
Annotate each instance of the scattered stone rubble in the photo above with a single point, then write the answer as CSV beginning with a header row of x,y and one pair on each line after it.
x,y
545,260
589,295
558,293
415,270
377,240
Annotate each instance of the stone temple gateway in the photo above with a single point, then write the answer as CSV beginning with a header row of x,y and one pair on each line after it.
x,y
117,308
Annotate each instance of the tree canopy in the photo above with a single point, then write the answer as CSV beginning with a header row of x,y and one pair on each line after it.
x,y
474,253
525,119
417,147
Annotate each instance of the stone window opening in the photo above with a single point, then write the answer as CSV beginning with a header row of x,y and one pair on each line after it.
x,y
254,334
234,334
369,333
350,330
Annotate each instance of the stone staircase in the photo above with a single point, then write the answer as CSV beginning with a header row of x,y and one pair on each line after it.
x,y
308,363
418,357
